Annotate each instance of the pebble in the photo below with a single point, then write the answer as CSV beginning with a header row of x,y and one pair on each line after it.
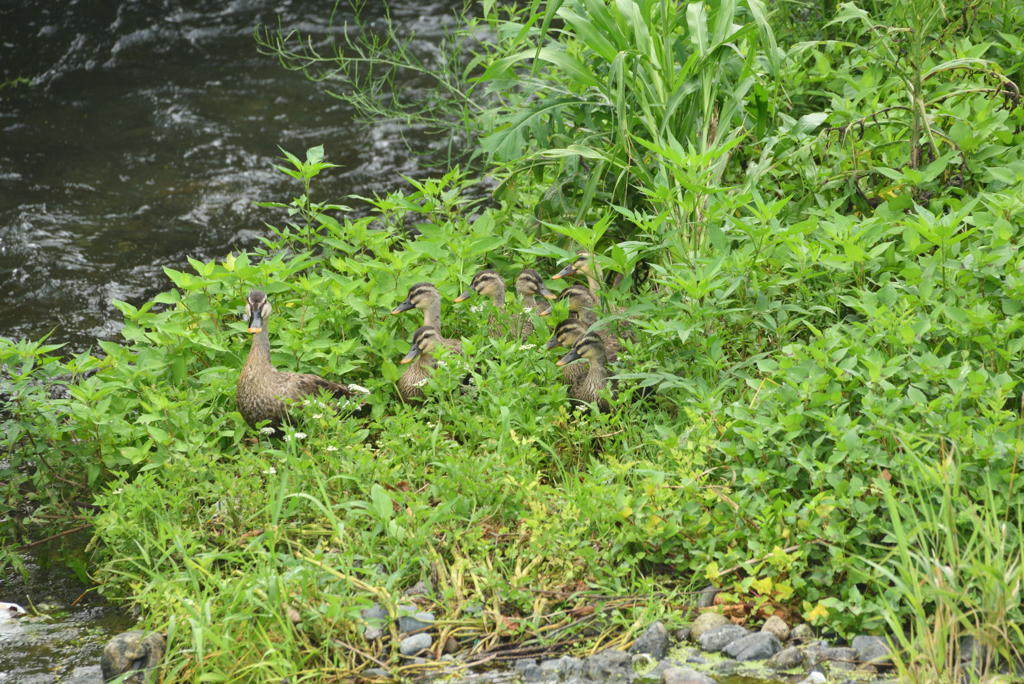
x,y
373,633
872,649
714,640
704,622
683,634
376,673
678,675
421,588
411,645
760,646
414,622
653,641
777,626
841,659
707,596
802,632
610,664
786,659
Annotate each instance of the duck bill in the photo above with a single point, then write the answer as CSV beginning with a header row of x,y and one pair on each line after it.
x,y
411,356
567,271
465,295
404,306
568,358
255,322
548,294
545,312
552,343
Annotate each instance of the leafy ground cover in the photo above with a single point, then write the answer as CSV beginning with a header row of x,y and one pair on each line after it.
x,y
816,243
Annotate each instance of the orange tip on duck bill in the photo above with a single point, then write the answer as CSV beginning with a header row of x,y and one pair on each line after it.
x,y
255,330
464,296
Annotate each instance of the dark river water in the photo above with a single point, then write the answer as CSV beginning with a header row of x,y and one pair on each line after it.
x,y
145,133
142,133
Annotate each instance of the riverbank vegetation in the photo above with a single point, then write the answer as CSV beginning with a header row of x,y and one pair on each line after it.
x,y
812,225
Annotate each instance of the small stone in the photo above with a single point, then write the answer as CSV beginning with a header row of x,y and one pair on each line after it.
x,y
716,639
524,663
611,665
704,622
872,649
867,667
135,650
375,612
760,646
777,626
728,667
679,675
451,645
653,641
786,659
841,658
415,622
293,615
373,633
421,588
696,660
683,634
376,673
411,645
707,596
802,632
814,677
533,673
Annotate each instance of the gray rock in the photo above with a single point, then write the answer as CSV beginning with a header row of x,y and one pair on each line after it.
x,y
802,632
524,663
411,645
707,596
609,665
414,623
872,649
840,658
786,659
375,612
421,588
533,673
704,622
777,626
716,639
373,633
659,669
376,673
679,675
135,650
814,677
696,660
566,666
653,641
728,667
759,646
683,634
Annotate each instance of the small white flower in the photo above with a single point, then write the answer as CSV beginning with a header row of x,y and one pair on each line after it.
x,y
421,383
118,490
300,435
306,402
524,347
267,430
358,388
287,438
476,309
318,416
271,471
441,363
332,448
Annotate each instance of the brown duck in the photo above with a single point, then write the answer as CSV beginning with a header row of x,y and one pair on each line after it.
x,y
267,394
588,390
426,297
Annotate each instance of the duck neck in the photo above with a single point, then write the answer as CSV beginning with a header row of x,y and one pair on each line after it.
x,y
259,352
432,314
499,298
529,302
597,373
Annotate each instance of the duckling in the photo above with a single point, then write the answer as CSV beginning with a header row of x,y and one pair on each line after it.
x,y
424,341
581,265
588,390
529,284
488,283
264,393
566,334
583,305
425,296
